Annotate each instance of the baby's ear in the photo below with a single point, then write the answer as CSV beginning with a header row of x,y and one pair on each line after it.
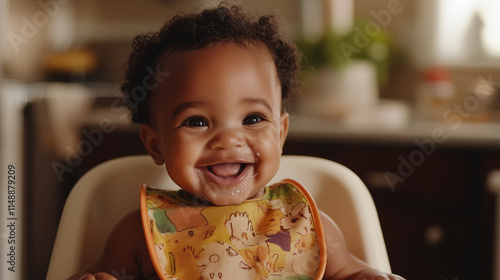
x,y
151,141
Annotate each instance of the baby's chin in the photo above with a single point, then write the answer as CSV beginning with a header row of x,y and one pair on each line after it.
x,y
232,197
227,199
227,194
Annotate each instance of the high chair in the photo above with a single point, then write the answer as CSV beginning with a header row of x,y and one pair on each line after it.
x,y
110,190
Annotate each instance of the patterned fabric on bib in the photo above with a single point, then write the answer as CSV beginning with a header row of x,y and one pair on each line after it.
x,y
278,236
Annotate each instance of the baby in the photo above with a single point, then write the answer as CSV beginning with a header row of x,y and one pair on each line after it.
x,y
210,92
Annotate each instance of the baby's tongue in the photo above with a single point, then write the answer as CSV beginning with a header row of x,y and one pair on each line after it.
x,y
225,169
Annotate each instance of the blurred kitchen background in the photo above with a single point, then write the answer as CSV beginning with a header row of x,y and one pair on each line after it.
x,y
405,93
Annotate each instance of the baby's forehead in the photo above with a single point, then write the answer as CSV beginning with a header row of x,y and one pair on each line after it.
x,y
259,48
207,68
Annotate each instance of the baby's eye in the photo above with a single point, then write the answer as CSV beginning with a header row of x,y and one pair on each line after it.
x,y
253,119
195,122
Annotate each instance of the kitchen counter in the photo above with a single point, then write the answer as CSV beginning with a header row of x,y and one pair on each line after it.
x,y
444,134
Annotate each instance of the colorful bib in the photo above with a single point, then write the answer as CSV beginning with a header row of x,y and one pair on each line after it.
x,y
278,236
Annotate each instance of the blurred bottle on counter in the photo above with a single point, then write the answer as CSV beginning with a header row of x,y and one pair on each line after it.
x,y
434,95
483,102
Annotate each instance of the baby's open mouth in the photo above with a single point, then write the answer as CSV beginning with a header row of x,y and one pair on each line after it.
x,y
227,170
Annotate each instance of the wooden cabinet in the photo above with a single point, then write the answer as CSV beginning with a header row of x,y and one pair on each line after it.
x,y
435,212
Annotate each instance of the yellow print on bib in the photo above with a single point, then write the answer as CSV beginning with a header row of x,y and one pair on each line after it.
x,y
273,237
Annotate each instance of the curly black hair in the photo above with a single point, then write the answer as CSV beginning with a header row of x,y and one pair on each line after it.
x,y
194,31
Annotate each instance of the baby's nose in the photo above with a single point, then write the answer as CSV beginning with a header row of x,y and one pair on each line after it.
x,y
226,139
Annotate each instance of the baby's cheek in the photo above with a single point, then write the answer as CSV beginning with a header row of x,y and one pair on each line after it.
x,y
180,159
184,149
268,138
267,146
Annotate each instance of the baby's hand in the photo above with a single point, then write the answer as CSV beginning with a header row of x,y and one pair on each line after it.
x,y
372,274
98,276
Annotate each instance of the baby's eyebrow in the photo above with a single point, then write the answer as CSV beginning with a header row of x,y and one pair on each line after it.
x,y
184,106
258,101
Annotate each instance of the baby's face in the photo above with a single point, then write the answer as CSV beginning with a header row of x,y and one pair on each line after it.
x,y
216,122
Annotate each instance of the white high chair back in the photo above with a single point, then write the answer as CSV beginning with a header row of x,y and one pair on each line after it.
x,y
110,190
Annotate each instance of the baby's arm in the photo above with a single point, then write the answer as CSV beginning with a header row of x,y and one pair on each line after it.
x,y
125,253
340,263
